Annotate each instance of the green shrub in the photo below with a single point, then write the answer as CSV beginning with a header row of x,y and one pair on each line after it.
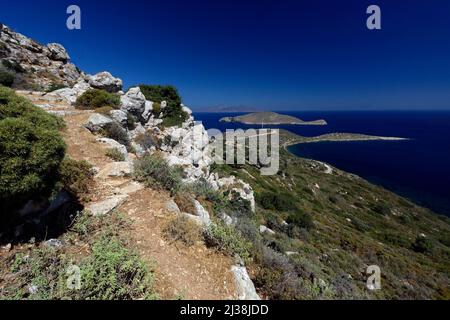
x,y
173,114
76,176
31,150
422,245
95,98
153,170
115,154
276,201
183,229
6,79
301,220
55,86
229,240
112,272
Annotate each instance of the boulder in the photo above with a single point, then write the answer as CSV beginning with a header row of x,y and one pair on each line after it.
x,y
264,229
57,52
202,213
119,116
106,206
171,206
116,169
105,81
97,121
133,102
245,287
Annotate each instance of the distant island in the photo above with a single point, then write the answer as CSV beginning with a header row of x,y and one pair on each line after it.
x,y
288,138
271,118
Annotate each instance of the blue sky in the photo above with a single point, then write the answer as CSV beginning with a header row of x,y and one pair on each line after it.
x,y
280,55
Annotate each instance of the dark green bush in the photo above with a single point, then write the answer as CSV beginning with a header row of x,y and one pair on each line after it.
x,y
301,220
6,79
31,150
422,245
154,170
276,201
173,114
95,98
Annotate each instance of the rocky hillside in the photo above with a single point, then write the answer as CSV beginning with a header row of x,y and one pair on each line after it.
x,y
148,161
121,185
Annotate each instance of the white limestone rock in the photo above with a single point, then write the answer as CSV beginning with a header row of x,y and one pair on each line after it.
x,y
57,52
105,81
97,121
245,287
133,101
264,229
116,169
106,206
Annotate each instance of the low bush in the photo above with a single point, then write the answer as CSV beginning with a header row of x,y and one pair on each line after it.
x,y
116,132
277,277
76,176
113,272
422,245
115,154
229,240
276,201
153,170
55,86
183,229
6,79
95,98
301,220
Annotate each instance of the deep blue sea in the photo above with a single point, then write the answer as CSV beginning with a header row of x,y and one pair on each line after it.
x,y
418,169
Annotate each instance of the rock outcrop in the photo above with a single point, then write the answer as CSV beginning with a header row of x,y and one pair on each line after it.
x,y
105,81
35,66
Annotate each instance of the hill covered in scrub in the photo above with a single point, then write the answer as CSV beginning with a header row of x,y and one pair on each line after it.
x,y
120,189
271,118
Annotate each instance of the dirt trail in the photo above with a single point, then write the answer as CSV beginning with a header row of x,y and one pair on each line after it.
x,y
195,272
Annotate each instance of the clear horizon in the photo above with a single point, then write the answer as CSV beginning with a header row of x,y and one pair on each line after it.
x,y
290,56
